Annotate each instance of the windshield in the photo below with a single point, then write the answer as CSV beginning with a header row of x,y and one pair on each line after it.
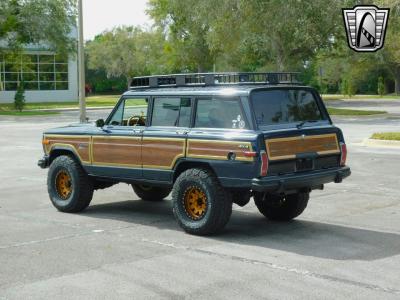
x,y
285,106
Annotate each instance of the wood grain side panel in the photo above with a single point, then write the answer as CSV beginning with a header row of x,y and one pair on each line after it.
x,y
285,148
117,151
218,149
162,153
80,145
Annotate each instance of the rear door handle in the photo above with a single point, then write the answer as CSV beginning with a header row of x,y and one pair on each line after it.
x,y
181,132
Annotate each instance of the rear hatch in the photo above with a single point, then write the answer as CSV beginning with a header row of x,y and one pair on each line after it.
x,y
297,131
300,151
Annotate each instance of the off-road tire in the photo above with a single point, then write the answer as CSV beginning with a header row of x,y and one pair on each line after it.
x,y
81,185
150,193
281,208
218,204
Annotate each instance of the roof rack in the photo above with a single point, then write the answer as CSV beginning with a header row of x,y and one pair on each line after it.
x,y
214,79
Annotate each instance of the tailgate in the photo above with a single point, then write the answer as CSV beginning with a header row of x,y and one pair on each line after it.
x,y
290,147
306,151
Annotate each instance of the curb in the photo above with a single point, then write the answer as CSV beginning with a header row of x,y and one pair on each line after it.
x,y
360,116
381,143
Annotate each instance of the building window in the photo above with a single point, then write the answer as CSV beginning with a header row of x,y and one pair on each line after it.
x,y
37,71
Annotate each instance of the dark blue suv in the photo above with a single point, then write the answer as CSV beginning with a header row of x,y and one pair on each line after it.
x,y
213,139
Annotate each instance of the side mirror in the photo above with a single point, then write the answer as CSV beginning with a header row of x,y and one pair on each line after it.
x,y
100,123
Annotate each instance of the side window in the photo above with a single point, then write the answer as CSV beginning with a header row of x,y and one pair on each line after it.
x,y
171,112
128,114
184,112
133,115
220,113
116,119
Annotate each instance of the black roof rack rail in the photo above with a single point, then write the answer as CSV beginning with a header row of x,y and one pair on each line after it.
x,y
214,79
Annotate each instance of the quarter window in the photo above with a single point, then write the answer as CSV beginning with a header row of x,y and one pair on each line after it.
x,y
171,112
220,113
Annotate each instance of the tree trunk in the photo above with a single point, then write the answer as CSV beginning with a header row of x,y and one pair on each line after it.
x,y
396,76
387,86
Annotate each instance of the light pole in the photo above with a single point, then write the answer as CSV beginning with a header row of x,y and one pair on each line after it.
x,y
81,67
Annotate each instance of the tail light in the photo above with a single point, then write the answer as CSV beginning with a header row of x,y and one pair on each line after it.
x,y
264,163
343,156
250,153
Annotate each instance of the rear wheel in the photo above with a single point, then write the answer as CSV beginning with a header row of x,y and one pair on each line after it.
x,y
151,193
281,208
200,204
70,188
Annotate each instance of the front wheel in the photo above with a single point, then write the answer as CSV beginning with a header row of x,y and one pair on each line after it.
x,y
150,193
200,204
281,208
70,188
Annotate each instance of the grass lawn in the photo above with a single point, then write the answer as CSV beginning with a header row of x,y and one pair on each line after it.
x,y
353,112
26,113
392,136
331,97
92,101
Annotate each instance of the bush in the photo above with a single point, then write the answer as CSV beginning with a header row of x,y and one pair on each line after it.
x,y
19,99
344,86
348,87
381,86
352,88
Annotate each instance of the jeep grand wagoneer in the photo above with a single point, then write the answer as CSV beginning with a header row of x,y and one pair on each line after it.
x,y
213,139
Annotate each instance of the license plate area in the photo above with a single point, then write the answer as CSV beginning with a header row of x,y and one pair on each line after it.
x,y
304,164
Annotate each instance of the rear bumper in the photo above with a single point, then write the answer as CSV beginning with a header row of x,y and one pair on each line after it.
x,y
44,162
301,180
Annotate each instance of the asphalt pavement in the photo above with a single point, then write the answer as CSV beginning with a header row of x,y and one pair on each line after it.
x,y
345,245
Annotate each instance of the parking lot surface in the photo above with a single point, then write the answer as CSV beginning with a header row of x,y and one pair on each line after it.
x,y
345,245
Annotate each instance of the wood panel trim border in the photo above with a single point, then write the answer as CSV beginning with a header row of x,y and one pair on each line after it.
x,y
247,146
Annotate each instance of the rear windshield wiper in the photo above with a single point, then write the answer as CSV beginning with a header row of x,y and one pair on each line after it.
x,y
301,124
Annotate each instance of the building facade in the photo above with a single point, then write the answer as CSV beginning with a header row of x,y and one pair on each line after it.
x,y
47,76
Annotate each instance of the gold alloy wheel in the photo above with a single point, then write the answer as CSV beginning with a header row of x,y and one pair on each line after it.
x,y
195,203
63,184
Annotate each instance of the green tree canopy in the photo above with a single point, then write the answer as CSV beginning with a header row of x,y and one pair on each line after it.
x,y
24,22
339,62
389,56
246,34
252,35
127,51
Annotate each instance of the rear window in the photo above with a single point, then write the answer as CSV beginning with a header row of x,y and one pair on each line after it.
x,y
285,106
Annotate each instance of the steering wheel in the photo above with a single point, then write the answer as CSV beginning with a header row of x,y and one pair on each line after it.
x,y
140,121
